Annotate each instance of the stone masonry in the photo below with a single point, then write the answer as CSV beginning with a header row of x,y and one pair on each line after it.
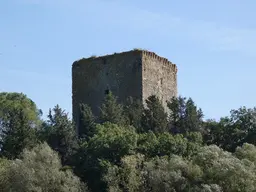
x,y
135,73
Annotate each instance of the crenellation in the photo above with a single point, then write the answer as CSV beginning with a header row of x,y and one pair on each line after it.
x,y
155,56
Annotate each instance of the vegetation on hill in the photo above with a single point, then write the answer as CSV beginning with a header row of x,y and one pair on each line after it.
x,y
127,148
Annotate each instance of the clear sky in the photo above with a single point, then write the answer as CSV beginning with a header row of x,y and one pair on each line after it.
x,y
213,44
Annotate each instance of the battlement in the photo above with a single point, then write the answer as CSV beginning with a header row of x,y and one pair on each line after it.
x,y
103,56
145,53
160,59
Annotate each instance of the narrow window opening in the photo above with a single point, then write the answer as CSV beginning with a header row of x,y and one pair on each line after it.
x,y
106,91
104,61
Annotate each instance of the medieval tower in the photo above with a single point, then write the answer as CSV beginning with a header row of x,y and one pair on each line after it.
x,y
135,73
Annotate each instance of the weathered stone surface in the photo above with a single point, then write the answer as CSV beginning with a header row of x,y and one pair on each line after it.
x,y
134,73
159,77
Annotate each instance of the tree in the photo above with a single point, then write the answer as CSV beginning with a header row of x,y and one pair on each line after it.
x,y
173,174
126,177
132,148
184,116
86,122
166,144
177,108
13,101
112,142
213,132
194,117
147,144
109,144
39,169
154,117
226,170
136,173
246,151
210,170
194,143
59,132
169,144
19,121
241,126
233,131
133,110
111,111
16,133
4,168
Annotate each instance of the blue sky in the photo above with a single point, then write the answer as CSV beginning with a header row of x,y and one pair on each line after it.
x,y
213,44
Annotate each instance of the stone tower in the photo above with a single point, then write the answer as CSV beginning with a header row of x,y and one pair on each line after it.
x,y
135,73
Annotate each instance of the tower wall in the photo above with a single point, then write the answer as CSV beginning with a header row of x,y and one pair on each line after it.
x,y
92,77
159,78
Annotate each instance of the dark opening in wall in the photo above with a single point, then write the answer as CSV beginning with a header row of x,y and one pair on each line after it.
x,y
104,61
106,91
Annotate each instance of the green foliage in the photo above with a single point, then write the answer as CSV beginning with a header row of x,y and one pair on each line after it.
x,y
157,174
174,174
147,144
241,126
19,120
108,145
111,111
4,164
12,101
214,132
246,151
127,176
154,117
184,117
59,132
16,133
233,131
86,122
133,110
195,141
211,169
39,169
137,49
112,142
130,148
169,144
224,169
166,144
